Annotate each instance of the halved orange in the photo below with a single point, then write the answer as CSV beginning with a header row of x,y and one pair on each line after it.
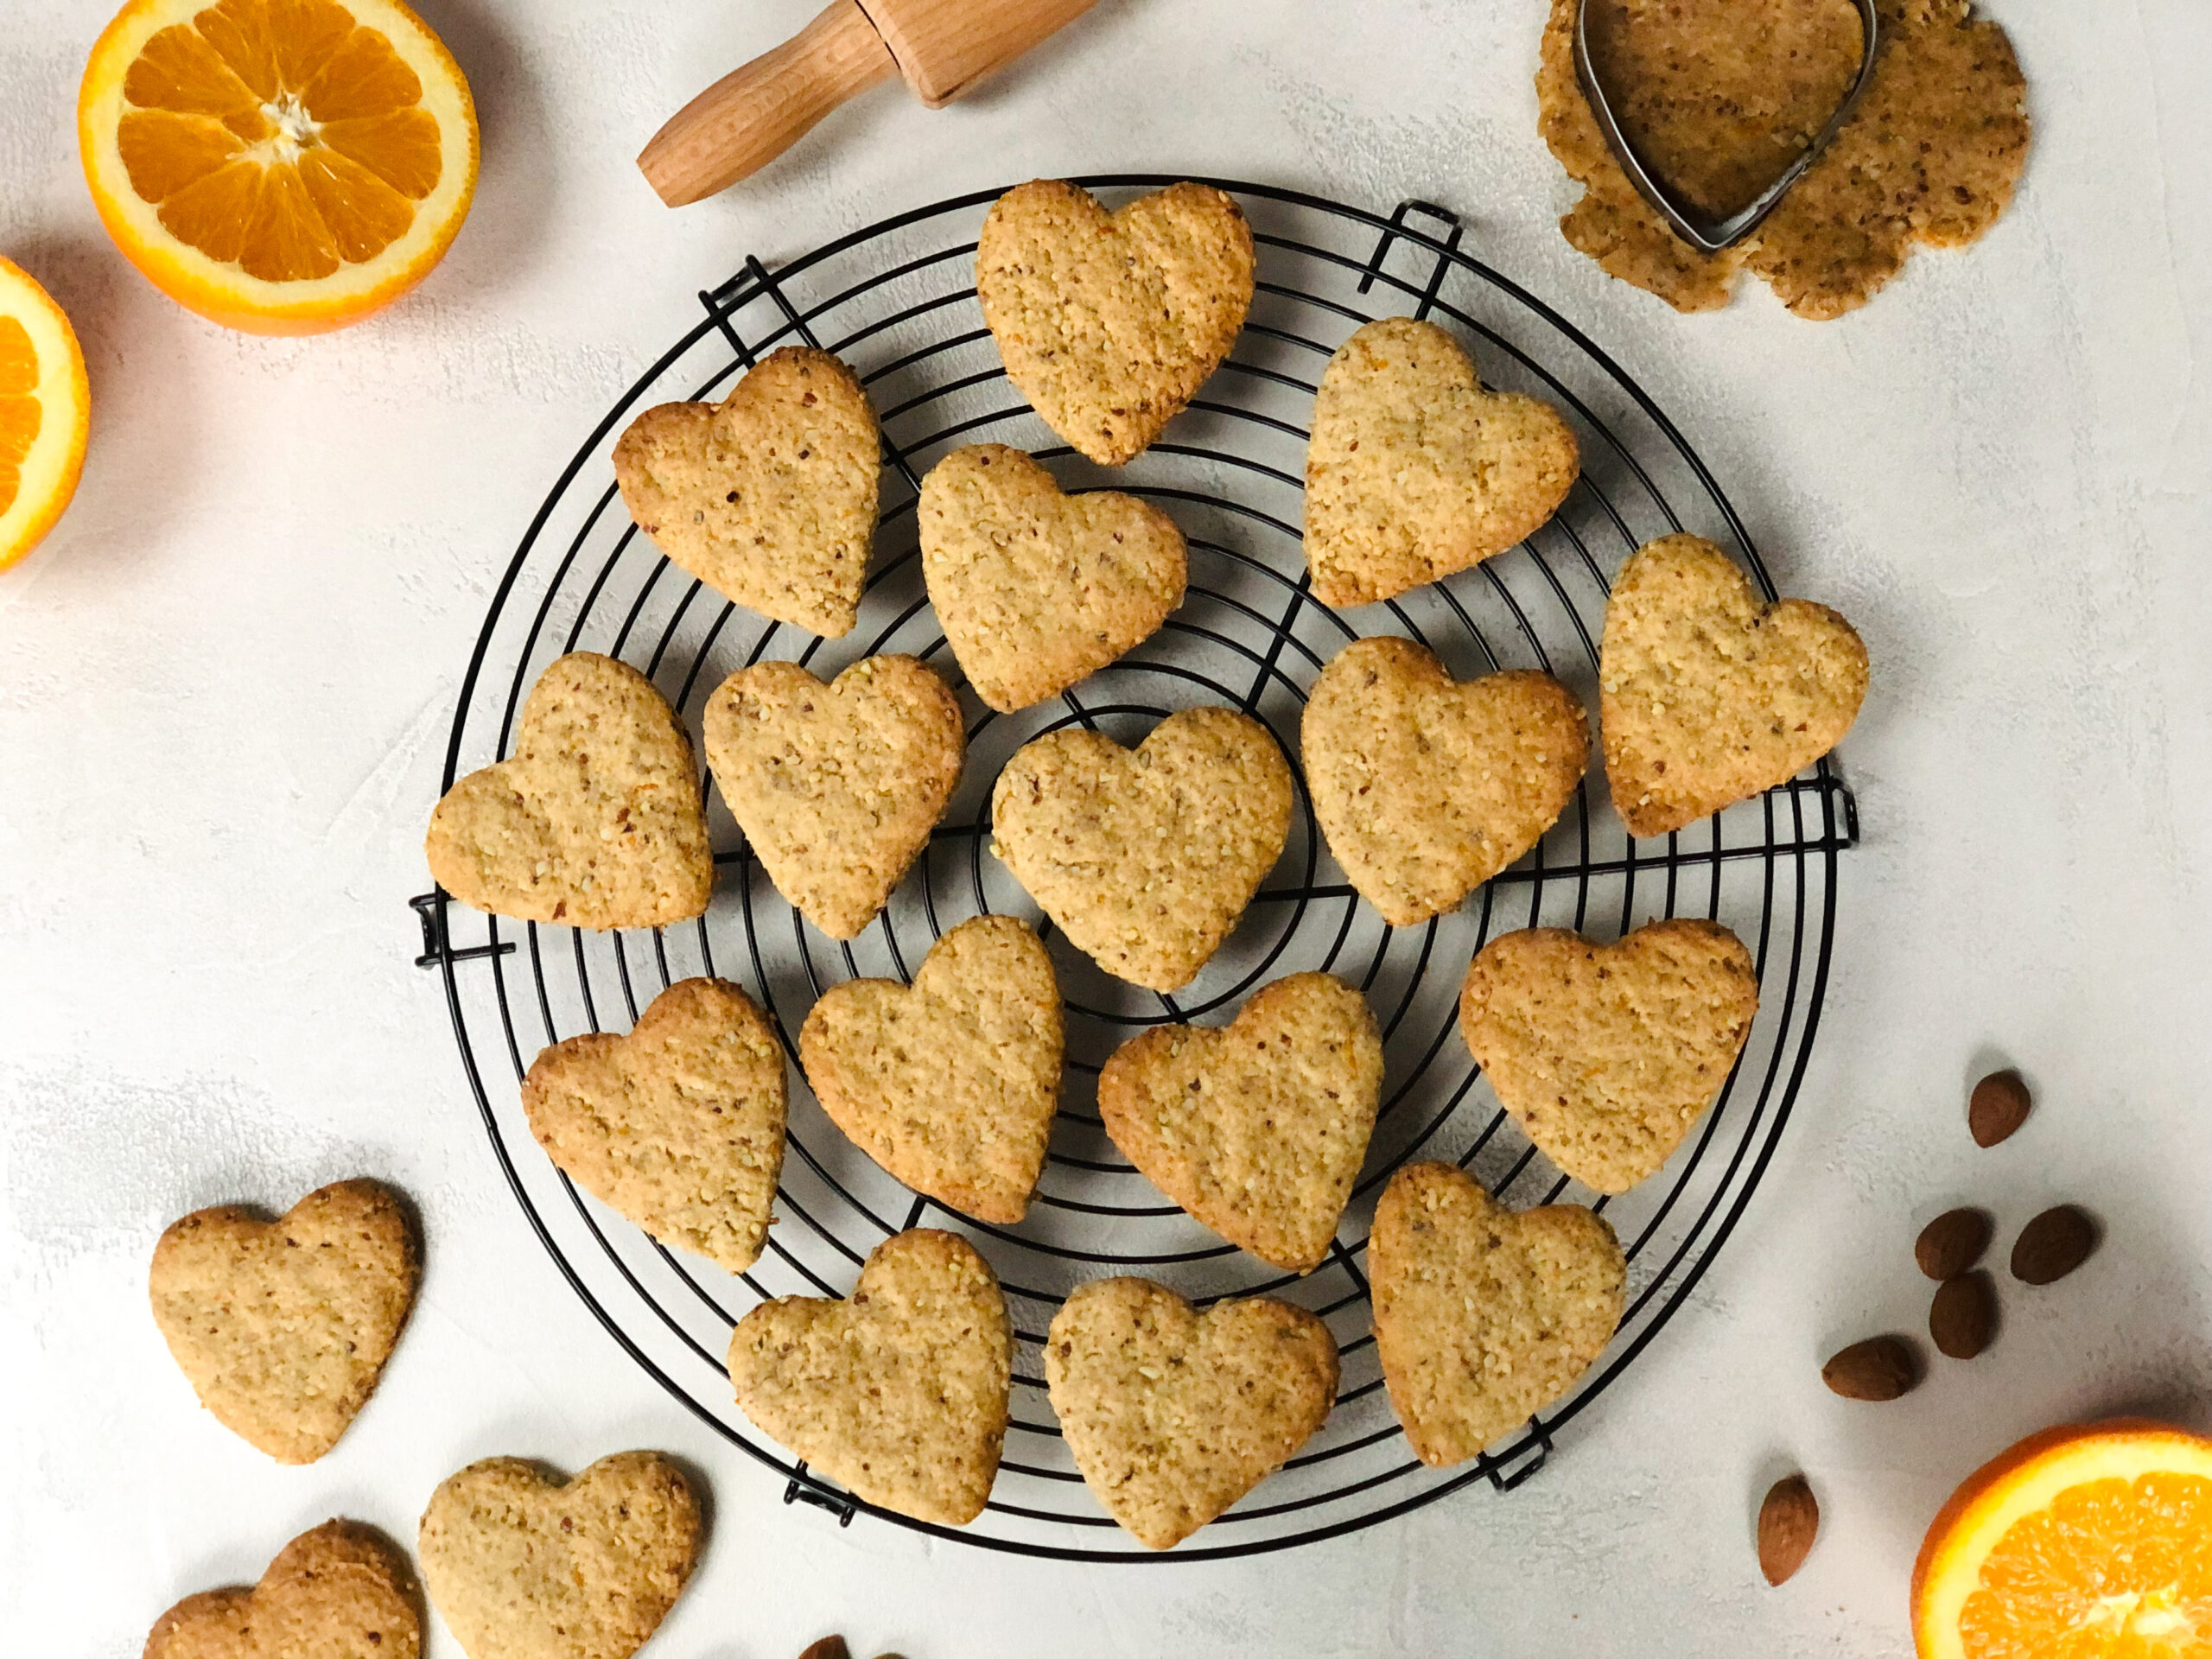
x,y
2090,1540
279,166
45,413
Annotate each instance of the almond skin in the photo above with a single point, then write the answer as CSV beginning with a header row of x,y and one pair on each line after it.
x,y
1962,1319
830,1647
1789,1521
1997,1108
1952,1243
2053,1245
1880,1368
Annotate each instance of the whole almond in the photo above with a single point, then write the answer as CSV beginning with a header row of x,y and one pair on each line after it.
x,y
830,1647
2053,1245
1952,1243
1789,1521
1963,1318
1997,1106
1880,1368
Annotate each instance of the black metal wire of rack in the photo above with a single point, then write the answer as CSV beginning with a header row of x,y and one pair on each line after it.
x,y
896,300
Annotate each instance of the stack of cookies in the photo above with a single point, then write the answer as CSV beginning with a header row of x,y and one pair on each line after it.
x,y
1143,859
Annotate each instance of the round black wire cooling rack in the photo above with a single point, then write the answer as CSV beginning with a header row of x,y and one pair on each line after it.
x,y
897,301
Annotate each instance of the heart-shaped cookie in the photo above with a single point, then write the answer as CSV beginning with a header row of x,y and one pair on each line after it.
x,y
339,1591
282,1326
1173,1414
1413,470
836,786
1710,695
1110,322
899,1391
1427,788
595,820
1483,1316
1256,1129
769,496
1605,1054
1035,588
523,1567
949,1083
1146,857
678,1125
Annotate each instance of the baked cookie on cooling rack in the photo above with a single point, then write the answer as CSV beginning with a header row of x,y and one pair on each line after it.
x,y
522,1565
1037,589
595,820
899,1391
1256,1129
769,496
1146,857
1483,1316
836,786
340,1589
1606,1054
950,1082
679,1124
1173,1413
1414,471
1426,787
1110,322
1709,694
1713,91
283,1327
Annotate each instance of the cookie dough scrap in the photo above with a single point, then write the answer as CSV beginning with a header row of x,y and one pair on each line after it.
x,y
342,1590
678,1125
282,1327
1606,1054
595,820
1426,787
1256,1129
899,1391
836,786
524,1566
1173,1414
768,497
949,1083
1483,1316
1037,589
1110,322
1146,857
1414,471
1931,154
1710,696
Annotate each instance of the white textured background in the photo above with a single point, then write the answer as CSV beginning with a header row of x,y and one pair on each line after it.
x,y
226,680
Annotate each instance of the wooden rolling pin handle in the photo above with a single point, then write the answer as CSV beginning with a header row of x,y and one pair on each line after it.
x,y
752,115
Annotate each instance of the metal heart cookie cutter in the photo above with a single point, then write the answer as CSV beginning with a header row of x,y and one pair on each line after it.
x,y
1707,234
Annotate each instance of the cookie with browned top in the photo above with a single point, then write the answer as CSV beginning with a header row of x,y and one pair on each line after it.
x,y
1146,857
522,1565
837,786
283,1327
1110,322
1414,470
1256,1129
595,820
1708,695
679,1124
1173,1414
1484,1317
768,497
1606,1054
341,1590
1037,589
899,1391
1426,787
950,1082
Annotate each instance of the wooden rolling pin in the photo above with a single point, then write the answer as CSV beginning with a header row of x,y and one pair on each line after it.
x,y
752,115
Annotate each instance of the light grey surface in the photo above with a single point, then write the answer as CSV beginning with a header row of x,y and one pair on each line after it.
x,y
226,680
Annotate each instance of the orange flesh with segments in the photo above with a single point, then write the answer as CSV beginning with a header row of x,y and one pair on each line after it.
x,y
21,413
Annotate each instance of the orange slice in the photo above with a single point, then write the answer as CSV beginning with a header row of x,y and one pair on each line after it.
x,y
280,165
45,413
2085,1541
